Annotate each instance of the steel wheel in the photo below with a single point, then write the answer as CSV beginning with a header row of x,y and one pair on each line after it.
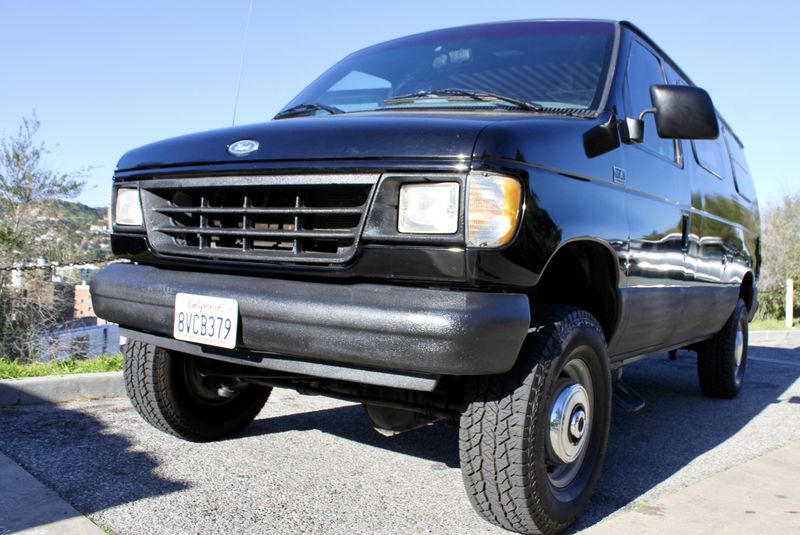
x,y
171,393
532,440
739,350
570,423
205,388
722,360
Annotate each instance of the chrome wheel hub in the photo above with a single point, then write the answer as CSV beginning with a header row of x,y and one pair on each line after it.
x,y
204,388
738,350
569,422
577,424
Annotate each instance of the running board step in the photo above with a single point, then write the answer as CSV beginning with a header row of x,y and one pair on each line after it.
x,y
627,398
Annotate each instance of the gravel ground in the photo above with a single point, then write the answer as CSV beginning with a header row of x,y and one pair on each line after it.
x,y
314,465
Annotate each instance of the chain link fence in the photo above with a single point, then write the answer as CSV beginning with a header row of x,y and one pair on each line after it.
x,y
42,318
55,265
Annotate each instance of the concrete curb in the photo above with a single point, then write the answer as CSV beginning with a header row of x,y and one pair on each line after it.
x,y
780,338
57,389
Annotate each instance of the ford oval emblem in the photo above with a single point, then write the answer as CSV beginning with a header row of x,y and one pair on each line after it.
x,y
243,147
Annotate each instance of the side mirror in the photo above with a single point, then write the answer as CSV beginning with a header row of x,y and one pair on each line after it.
x,y
684,112
680,111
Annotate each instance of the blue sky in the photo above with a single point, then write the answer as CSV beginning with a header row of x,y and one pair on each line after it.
x,y
105,77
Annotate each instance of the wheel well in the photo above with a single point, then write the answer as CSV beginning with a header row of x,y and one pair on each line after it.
x,y
746,290
582,274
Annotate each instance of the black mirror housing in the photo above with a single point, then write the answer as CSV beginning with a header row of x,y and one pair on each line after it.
x,y
684,112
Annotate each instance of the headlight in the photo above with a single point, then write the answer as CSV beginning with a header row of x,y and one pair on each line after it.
x,y
495,203
428,208
128,209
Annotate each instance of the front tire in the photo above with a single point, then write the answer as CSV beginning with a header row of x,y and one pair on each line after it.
x,y
722,360
170,394
533,440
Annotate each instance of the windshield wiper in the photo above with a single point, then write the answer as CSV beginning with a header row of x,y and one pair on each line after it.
x,y
303,109
482,96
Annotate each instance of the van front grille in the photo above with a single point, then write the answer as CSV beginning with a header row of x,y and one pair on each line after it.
x,y
270,218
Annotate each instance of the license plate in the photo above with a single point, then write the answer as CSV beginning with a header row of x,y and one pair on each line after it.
x,y
206,320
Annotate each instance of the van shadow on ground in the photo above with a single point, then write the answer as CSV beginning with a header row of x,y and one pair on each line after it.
x,y
85,459
646,448
80,457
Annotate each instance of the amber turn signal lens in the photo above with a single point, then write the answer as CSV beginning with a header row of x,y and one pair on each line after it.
x,y
493,211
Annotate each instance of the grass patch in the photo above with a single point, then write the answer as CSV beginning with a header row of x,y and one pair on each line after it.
x,y
770,325
15,370
107,530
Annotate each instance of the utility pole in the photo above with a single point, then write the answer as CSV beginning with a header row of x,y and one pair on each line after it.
x,y
789,303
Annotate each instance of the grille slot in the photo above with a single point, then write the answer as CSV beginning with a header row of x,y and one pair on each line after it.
x,y
281,219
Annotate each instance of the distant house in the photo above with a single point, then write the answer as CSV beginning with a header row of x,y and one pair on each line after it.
x,y
82,303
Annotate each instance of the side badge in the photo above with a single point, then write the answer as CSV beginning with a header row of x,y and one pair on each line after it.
x,y
243,147
619,175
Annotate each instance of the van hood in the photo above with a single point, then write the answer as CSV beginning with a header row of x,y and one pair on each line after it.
x,y
373,136
337,137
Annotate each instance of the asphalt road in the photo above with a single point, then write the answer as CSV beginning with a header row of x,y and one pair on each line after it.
x,y
314,465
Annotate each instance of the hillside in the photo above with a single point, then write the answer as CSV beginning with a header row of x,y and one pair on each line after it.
x,y
74,214
70,231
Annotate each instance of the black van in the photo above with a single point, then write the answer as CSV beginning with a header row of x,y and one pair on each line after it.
x,y
480,225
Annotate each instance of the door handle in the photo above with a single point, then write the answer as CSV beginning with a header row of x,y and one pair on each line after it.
x,y
685,232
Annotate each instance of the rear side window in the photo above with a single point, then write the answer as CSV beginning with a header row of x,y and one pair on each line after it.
x,y
644,70
709,154
741,172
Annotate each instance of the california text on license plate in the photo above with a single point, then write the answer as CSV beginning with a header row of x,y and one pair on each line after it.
x,y
206,320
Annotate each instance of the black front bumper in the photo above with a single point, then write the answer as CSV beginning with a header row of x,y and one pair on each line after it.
x,y
371,326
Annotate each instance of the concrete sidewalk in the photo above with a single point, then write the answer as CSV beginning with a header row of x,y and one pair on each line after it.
x,y
759,496
27,507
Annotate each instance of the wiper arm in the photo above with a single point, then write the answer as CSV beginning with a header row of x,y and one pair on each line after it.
x,y
303,109
474,94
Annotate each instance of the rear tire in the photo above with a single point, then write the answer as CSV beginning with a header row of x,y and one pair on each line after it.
x,y
722,360
533,439
168,392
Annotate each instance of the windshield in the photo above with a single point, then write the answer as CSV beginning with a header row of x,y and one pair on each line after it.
x,y
552,64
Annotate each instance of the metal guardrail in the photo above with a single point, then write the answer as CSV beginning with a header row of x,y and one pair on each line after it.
x,y
80,342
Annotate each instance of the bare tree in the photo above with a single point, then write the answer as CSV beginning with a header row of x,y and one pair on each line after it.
x,y
780,248
30,306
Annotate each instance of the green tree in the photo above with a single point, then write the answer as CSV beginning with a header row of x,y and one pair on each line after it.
x,y
780,248
28,305
25,183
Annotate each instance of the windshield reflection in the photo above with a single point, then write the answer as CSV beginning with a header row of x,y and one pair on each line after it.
x,y
555,64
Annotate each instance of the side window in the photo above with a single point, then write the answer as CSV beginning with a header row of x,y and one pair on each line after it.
x,y
741,172
644,70
709,154
675,79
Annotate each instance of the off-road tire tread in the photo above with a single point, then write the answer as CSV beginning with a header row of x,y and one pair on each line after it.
x,y
148,388
715,363
493,439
